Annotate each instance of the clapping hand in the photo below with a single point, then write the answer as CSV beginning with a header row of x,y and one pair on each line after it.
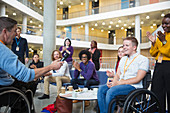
x,y
110,73
64,48
151,38
161,36
76,65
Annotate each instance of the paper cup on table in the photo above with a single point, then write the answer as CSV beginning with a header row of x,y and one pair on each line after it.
x,y
85,89
95,89
62,90
70,88
74,94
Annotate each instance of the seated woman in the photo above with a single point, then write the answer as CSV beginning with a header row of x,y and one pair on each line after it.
x,y
87,69
120,54
59,76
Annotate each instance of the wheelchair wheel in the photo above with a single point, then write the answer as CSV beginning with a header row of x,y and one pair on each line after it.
x,y
13,100
142,101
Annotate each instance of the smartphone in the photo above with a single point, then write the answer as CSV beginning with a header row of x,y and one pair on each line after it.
x,y
158,29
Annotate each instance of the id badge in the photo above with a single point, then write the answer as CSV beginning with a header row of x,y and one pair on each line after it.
x,y
17,48
160,59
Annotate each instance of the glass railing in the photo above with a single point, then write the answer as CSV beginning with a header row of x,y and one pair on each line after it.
x,y
30,5
107,63
108,8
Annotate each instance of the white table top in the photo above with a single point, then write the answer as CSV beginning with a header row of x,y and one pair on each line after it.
x,y
89,95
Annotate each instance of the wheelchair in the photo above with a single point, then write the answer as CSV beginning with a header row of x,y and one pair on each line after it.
x,y
11,99
137,101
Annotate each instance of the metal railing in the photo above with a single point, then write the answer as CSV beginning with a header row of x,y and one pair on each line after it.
x,y
108,8
30,5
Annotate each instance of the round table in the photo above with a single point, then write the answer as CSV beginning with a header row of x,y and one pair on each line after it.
x,y
88,95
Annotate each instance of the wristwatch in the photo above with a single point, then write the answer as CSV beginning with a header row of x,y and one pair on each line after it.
x,y
164,42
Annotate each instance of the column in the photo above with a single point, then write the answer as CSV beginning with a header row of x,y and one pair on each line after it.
x,y
137,26
2,11
86,32
49,30
24,24
87,7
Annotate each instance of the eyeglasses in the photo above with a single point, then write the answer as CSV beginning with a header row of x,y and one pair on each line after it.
x,y
84,57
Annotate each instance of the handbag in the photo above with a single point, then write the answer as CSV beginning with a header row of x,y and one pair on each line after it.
x,y
63,105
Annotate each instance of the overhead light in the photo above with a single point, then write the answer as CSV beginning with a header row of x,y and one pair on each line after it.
x,y
110,26
117,25
81,3
119,21
125,29
40,29
147,17
103,23
31,21
122,28
108,31
39,25
58,8
95,24
61,2
125,24
111,22
34,3
95,0
133,23
69,6
151,27
129,27
33,26
92,29
40,1
102,30
14,14
6,15
162,15
154,24
81,26
40,7
142,22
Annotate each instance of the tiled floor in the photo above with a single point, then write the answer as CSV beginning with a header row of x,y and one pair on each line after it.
x,y
39,104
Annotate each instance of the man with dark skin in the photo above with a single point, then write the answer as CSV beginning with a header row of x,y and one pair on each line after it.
x,y
160,49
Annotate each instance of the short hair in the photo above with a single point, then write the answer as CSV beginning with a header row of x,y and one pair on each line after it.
x,y
133,39
95,46
85,52
6,22
19,28
68,40
167,15
52,55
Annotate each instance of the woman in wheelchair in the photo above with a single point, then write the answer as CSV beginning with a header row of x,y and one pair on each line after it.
x,y
131,70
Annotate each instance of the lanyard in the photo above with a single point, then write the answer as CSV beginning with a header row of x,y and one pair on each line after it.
x,y
125,68
2,42
17,41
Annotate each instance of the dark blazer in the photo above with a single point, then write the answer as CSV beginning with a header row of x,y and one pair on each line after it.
x,y
96,58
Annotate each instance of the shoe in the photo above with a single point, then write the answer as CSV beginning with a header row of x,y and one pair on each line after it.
x,y
87,103
44,97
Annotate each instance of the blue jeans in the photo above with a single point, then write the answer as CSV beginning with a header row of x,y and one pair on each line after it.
x,y
105,95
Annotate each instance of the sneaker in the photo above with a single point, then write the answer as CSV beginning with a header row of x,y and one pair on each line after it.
x,y
44,97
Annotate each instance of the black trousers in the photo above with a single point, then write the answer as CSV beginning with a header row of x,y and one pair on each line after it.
x,y
161,84
86,83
